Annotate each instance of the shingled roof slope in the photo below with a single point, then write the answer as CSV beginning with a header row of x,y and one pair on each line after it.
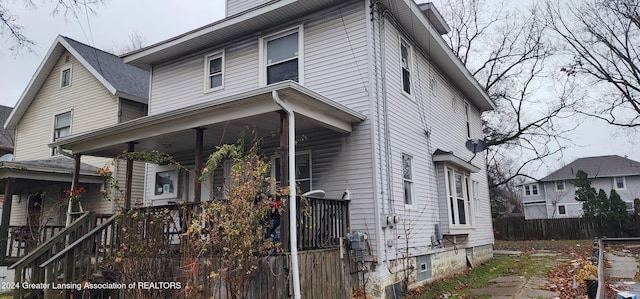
x,y
596,167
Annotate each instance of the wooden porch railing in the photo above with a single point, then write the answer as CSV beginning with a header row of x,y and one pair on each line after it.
x,y
23,239
321,225
28,270
321,222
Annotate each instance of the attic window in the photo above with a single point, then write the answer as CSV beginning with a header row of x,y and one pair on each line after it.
x,y
65,76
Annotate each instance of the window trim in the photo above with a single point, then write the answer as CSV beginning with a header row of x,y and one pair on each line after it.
x,y
411,202
467,114
564,185
452,199
475,193
298,153
165,168
524,188
262,52
565,210
66,67
207,59
410,67
615,183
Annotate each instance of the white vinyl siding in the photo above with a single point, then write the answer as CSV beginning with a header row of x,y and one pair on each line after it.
x,y
93,107
422,126
238,6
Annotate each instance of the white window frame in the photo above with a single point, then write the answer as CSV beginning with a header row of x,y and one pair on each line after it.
x,y
262,48
564,185
298,153
560,212
55,124
615,183
529,188
408,202
467,115
173,172
68,67
408,67
207,60
453,199
475,193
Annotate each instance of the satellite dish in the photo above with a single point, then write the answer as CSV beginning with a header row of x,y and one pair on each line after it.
x,y
476,145
6,157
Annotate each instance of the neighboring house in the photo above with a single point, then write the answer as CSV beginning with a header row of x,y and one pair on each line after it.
x,y
554,195
76,89
6,135
382,110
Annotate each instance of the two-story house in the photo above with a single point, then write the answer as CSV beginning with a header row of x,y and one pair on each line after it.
x,y
554,195
77,88
373,107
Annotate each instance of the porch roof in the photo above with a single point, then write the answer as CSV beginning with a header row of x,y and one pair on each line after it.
x,y
57,168
223,118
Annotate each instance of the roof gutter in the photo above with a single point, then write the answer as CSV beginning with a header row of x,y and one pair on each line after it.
x,y
292,194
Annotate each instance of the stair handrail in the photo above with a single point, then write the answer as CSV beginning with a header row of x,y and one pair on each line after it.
x,y
30,257
86,236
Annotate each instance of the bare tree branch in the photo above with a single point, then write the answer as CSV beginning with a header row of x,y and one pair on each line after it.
x,y
14,33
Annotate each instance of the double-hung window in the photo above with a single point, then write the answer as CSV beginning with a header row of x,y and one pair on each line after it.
x,y
560,186
457,184
405,61
303,170
214,77
407,179
618,183
281,54
61,127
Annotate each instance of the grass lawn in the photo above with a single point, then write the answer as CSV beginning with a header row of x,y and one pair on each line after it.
x,y
459,286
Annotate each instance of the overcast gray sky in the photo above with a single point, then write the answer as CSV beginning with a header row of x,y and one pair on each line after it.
x,y
157,20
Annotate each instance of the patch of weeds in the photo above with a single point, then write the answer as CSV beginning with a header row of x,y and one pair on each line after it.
x,y
459,286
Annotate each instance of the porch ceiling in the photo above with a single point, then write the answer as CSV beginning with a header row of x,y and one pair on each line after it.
x,y
174,132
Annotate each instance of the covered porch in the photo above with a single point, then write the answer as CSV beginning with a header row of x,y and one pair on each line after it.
x,y
301,130
34,206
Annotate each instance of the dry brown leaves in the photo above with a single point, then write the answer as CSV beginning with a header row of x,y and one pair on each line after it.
x,y
563,279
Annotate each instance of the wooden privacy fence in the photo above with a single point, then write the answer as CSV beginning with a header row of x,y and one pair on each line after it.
x,y
516,228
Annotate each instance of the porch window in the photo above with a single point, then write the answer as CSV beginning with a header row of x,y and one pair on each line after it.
x,y
459,205
303,171
407,179
165,182
282,56
65,76
405,61
214,71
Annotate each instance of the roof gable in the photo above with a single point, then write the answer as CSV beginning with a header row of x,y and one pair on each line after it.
x,y
119,79
596,167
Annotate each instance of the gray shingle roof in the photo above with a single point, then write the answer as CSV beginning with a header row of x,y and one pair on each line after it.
x,y
59,162
600,166
125,78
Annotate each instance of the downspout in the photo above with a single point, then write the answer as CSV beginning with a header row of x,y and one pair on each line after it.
x,y
293,235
